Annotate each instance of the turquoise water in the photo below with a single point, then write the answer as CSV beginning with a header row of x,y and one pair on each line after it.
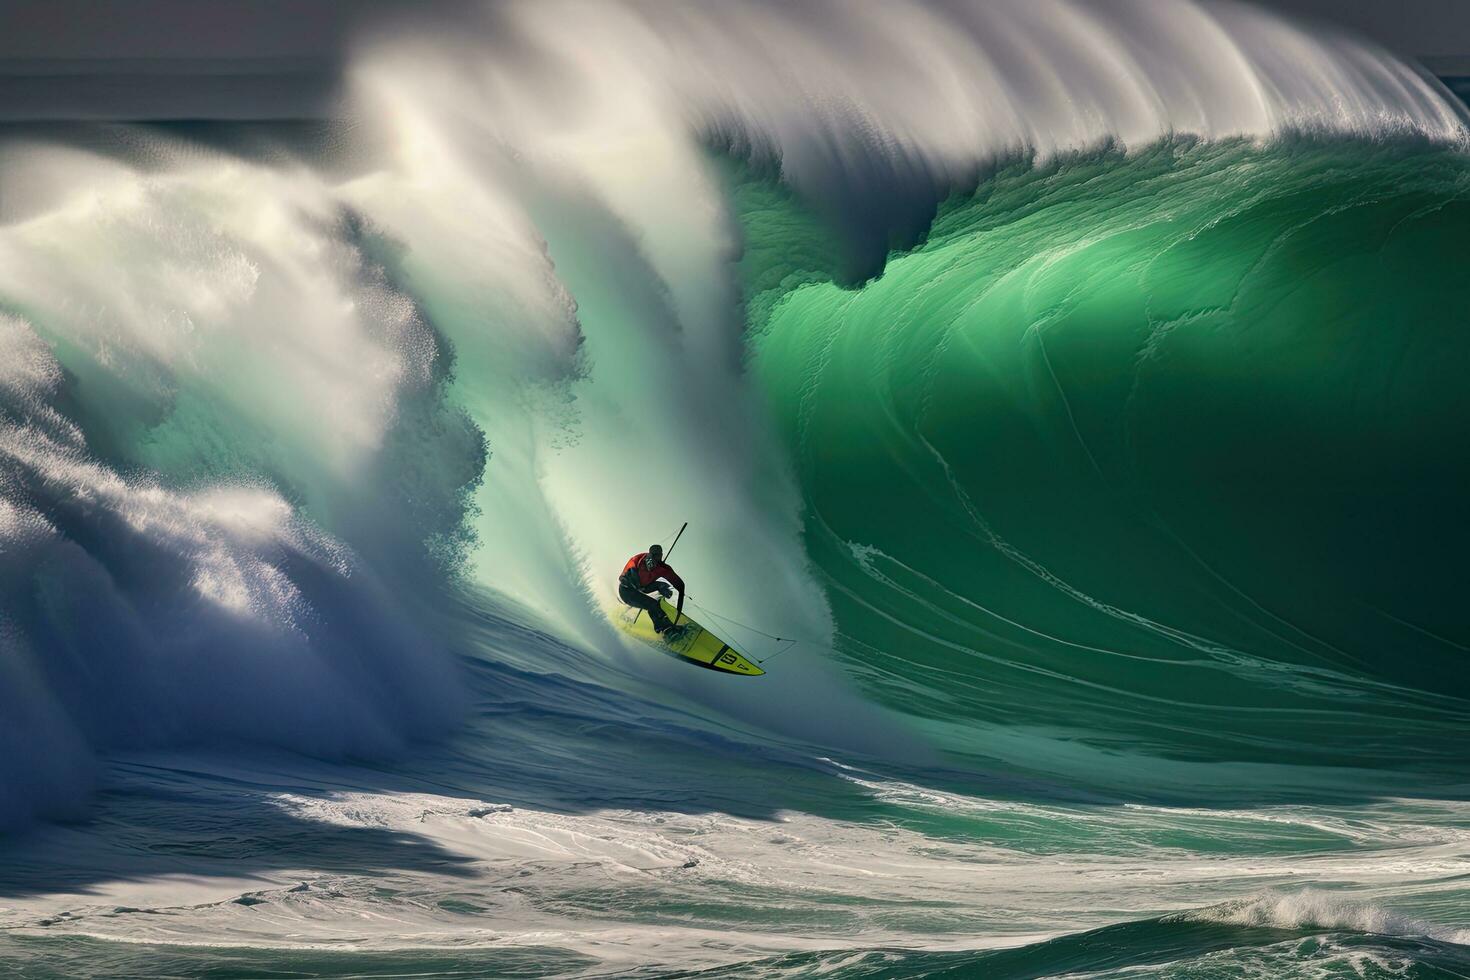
x,y
1154,455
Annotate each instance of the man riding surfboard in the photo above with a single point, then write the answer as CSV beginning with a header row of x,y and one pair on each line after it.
x,y
641,576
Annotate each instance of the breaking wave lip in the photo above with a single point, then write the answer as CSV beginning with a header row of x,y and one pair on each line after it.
x,y
1315,909
874,113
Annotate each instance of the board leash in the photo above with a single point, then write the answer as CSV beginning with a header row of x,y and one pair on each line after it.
x,y
791,642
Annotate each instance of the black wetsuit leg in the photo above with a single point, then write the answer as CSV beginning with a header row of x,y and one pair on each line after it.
x,y
641,600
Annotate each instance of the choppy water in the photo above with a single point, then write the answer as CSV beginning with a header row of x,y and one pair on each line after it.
x,y
1087,403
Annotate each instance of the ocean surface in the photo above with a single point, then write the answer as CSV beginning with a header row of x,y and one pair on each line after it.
x,y
1067,403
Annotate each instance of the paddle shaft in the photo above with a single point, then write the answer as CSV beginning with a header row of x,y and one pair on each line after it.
x,y
666,555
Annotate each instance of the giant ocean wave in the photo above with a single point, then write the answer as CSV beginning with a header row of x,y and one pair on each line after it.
x,y
1081,384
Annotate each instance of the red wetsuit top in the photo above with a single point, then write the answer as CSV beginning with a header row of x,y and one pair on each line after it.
x,y
647,576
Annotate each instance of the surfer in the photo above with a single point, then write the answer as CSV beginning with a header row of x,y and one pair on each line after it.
x,y
644,574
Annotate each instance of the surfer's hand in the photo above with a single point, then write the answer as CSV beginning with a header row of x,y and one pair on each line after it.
x,y
665,589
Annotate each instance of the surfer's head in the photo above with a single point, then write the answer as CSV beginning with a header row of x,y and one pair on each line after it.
x,y
655,553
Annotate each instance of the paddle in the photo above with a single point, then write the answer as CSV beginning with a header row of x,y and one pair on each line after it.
x,y
666,555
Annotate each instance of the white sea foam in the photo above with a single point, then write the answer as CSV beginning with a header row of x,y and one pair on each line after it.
x,y
136,614
615,884
1314,909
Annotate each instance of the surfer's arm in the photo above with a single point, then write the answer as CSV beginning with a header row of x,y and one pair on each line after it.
x,y
677,583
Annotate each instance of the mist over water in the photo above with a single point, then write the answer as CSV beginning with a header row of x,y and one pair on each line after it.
x,y
1079,384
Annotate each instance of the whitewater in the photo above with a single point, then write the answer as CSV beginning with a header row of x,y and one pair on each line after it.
x,y
1079,386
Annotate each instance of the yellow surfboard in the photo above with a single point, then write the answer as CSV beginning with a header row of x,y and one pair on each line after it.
x,y
694,643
